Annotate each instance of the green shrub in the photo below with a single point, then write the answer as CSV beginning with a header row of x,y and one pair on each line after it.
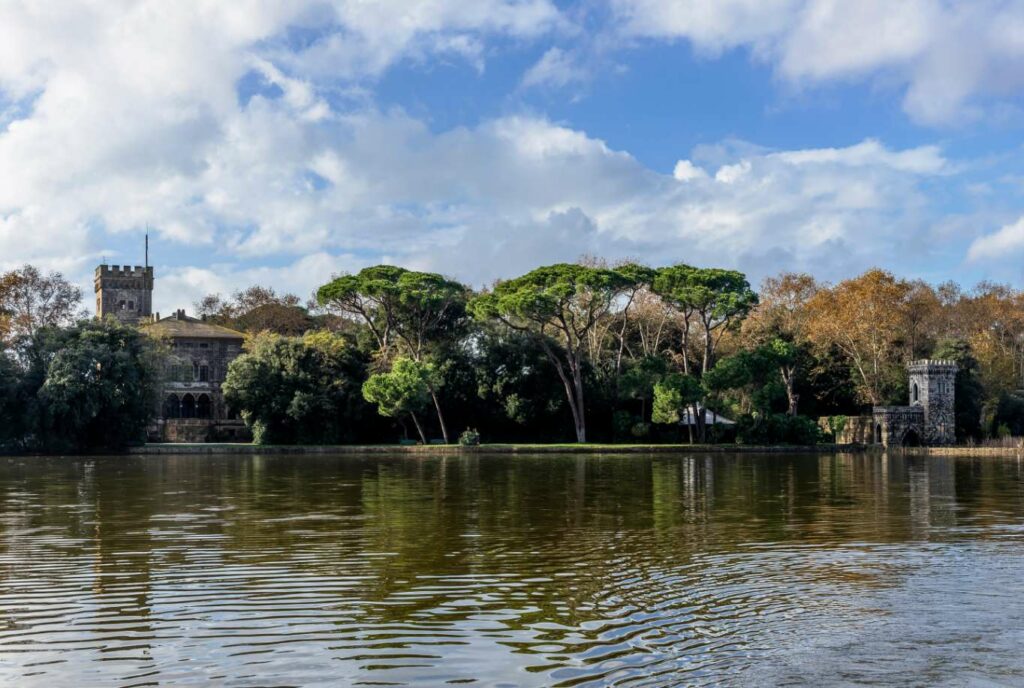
x,y
469,438
776,428
640,430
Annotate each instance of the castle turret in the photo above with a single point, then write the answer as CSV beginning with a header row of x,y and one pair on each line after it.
x,y
932,384
126,292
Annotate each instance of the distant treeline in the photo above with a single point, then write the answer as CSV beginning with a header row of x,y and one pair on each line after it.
x,y
567,352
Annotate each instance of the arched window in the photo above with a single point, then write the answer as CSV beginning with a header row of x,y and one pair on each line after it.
x,y
204,373
172,406
203,406
188,406
916,393
878,433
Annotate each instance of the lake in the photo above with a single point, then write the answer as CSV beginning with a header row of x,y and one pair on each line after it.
x,y
511,570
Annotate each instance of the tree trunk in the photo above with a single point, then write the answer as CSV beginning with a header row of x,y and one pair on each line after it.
x,y
419,428
575,398
698,421
791,395
440,415
577,379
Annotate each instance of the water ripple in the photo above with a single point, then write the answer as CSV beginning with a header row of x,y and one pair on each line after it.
x,y
572,571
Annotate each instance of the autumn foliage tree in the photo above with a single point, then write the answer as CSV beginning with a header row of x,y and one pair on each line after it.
x,y
781,321
866,319
30,300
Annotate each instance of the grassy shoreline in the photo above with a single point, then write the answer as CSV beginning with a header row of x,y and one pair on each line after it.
x,y
454,449
528,449
567,448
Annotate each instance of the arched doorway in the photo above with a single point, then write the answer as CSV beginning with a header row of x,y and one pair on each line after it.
x,y
172,406
912,438
878,433
188,406
203,406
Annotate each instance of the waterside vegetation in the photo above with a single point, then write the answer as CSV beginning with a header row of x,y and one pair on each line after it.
x,y
581,352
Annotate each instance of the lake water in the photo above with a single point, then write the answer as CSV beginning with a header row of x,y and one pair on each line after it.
x,y
511,571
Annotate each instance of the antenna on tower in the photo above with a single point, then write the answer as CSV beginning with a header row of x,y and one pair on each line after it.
x,y
147,246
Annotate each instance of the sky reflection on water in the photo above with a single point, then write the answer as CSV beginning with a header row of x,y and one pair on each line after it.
x,y
525,571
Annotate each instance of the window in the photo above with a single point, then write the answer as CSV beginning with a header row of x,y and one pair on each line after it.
x,y
195,370
172,407
131,305
204,373
121,305
204,409
204,345
188,406
916,393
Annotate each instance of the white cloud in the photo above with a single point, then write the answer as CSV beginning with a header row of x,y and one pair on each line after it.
x,y
1006,242
555,69
685,171
374,35
948,56
133,118
182,287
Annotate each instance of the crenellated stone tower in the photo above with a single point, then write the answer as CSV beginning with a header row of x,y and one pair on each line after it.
x,y
932,385
125,292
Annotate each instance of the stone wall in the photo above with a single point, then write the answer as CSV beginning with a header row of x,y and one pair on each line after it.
x,y
856,429
124,292
197,430
896,426
932,387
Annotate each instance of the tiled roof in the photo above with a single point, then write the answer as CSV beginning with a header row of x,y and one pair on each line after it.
x,y
180,325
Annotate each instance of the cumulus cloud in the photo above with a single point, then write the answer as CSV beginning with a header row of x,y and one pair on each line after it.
x,y
556,69
949,56
181,287
282,183
1006,242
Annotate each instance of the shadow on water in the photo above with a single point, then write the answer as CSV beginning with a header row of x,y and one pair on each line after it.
x,y
547,570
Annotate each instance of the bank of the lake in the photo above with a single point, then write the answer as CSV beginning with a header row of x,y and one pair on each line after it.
x,y
798,569
450,449
526,449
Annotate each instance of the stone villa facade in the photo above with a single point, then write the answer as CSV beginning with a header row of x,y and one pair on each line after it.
x,y
124,292
929,419
191,406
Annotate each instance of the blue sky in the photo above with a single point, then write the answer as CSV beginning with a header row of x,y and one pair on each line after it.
x,y
282,144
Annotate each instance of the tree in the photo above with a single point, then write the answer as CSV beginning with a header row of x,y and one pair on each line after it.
x,y
403,389
559,305
417,312
639,378
514,383
780,319
296,390
865,319
257,309
969,394
13,416
279,318
750,379
30,300
675,393
709,299
99,387
710,302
